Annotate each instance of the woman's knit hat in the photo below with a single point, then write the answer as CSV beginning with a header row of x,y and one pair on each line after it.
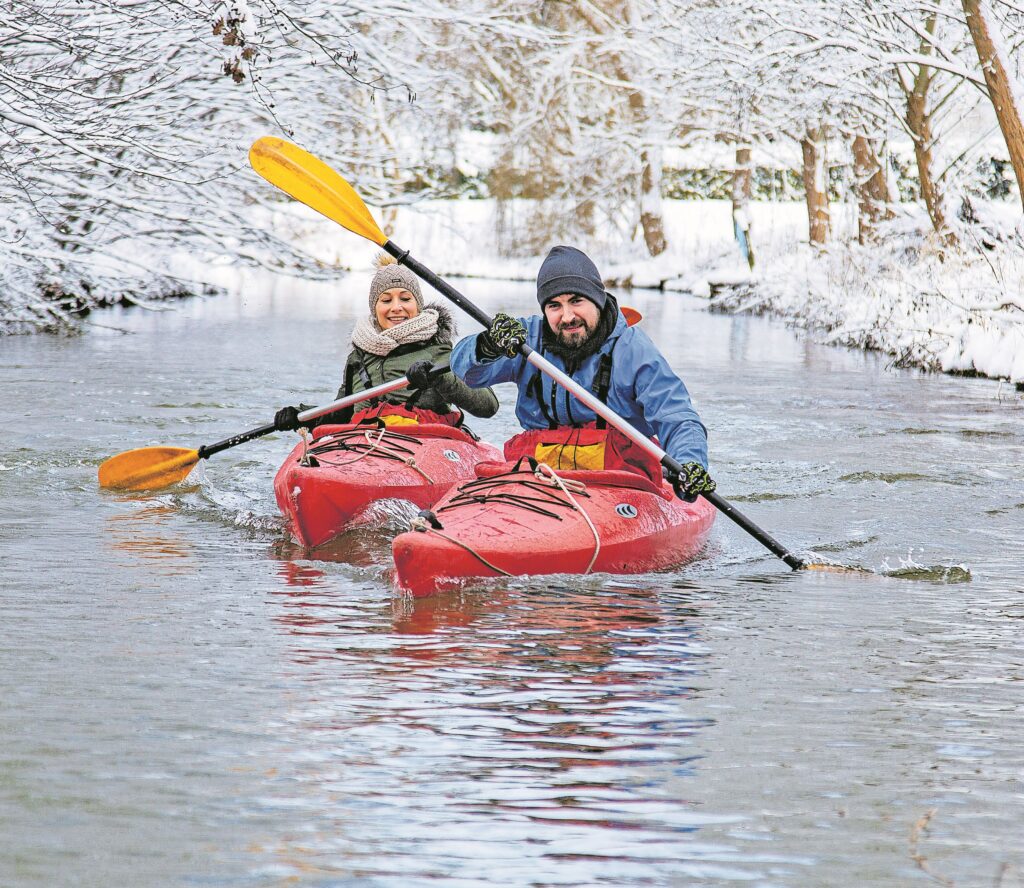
x,y
390,275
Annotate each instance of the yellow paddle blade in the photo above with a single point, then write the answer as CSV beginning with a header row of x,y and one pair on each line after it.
x,y
311,181
148,468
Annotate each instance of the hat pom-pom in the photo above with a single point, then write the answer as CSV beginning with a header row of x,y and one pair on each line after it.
x,y
383,259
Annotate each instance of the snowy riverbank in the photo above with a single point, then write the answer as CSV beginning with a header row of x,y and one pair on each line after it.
x,y
961,312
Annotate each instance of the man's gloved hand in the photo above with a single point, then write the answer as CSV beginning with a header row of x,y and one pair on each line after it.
x,y
420,376
692,481
286,419
505,336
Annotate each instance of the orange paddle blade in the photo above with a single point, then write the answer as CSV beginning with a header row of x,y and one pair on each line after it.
x,y
310,181
632,316
147,468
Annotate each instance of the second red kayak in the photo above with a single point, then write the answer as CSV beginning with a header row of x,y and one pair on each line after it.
x,y
512,521
324,486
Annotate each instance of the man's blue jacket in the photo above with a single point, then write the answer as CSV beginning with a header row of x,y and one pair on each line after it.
x,y
644,391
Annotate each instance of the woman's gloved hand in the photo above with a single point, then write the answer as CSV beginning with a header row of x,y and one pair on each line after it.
x,y
286,419
692,481
420,375
505,336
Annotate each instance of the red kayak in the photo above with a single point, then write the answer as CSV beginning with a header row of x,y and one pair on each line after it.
x,y
324,487
513,521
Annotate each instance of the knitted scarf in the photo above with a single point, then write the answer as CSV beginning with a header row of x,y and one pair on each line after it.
x,y
382,342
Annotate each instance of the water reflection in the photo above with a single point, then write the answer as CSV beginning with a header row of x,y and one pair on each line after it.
x,y
489,625
295,574
369,547
582,630
560,715
145,536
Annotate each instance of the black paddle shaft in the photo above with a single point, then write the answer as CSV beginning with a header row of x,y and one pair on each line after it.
x,y
442,286
730,511
208,450
720,503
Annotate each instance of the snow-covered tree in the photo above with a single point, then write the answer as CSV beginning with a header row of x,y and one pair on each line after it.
x,y
124,130
871,186
576,96
905,63
124,126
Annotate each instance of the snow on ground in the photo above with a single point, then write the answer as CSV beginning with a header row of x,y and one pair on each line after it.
x,y
954,311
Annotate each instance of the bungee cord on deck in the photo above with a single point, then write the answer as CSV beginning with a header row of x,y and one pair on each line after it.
x,y
495,489
381,443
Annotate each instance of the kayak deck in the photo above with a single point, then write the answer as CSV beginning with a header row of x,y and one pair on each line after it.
x,y
325,486
513,522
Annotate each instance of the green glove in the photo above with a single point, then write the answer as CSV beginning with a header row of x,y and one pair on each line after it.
x,y
692,481
505,336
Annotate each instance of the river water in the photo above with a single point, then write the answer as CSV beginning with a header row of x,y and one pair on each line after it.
x,y
187,698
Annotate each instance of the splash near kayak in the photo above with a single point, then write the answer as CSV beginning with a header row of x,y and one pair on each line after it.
x,y
527,519
330,479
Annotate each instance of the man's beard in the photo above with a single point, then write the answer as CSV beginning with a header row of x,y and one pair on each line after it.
x,y
577,336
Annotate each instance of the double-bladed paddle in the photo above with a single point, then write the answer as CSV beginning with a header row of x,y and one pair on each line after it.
x,y
309,180
152,468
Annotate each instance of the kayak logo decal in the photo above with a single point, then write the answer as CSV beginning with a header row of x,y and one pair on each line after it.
x,y
626,510
452,456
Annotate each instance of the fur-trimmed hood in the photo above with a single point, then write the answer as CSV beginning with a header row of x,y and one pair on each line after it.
x,y
446,328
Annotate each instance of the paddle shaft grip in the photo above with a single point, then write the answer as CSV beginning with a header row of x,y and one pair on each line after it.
x,y
591,401
355,398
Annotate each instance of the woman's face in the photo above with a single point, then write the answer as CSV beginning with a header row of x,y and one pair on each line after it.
x,y
394,306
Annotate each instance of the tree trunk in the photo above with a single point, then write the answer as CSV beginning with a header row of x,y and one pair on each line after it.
x,y
741,187
586,185
815,186
650,201
919,122
1005,99
871,188
651,216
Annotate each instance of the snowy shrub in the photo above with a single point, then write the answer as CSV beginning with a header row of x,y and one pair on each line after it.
x,y
909,296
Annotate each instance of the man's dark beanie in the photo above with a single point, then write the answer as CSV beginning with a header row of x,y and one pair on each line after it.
x,y
568,270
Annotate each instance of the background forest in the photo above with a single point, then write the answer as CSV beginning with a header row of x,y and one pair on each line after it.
x,y
893,130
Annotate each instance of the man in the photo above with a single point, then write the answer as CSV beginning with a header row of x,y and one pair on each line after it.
x,y
583,333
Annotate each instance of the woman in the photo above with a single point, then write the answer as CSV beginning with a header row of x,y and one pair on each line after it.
x,y
401,337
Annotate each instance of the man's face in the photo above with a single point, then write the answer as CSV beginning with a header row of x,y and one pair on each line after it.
x,y
572,318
